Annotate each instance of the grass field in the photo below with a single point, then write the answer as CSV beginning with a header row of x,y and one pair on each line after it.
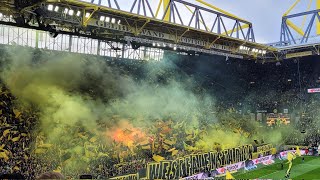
x,y
309,169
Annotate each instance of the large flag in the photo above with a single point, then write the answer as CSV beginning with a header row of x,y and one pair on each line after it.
x,y
16,112
173,151
15,138
157,158
3,155
5,132
228,175
169,142
58,169
145,145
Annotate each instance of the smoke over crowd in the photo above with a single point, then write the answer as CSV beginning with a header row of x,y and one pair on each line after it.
x,y
91,111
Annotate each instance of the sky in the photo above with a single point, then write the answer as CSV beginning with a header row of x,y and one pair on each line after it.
x,y
265,15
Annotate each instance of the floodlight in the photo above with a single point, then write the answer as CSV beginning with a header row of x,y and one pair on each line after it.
x,y
71,12
56,9
102,18
50,7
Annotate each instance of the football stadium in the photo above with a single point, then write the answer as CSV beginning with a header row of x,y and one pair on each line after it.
x,y
159,89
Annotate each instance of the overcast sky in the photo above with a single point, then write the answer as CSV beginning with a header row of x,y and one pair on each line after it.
x,y
264,14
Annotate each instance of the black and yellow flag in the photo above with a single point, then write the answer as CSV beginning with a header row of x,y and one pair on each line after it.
x,y
15,139
157,158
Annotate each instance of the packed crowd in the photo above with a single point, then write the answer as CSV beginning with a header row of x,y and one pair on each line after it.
x,y
16,127
25,150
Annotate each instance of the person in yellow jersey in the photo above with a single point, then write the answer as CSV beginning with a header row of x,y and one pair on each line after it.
x,y
289,170
290,157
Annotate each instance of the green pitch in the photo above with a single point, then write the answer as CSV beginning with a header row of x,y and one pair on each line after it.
x,y
309,169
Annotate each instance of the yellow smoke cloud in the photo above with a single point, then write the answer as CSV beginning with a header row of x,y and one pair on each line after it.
x,y
80,97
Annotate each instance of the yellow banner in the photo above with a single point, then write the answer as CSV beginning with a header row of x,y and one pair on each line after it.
x,y
127,177
192,164
298,54
195,163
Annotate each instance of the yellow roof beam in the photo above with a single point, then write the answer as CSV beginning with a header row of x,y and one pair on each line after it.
x,y
220,10
294,27
290,9
235,29
85,20
317,21
166,3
